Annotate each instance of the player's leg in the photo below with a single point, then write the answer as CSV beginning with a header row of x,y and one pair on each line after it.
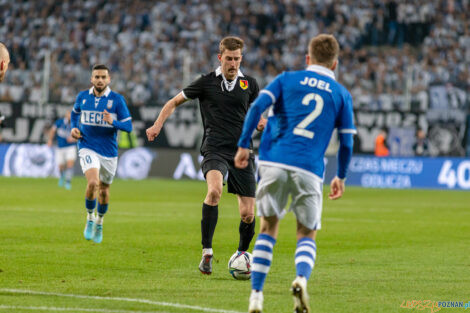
x,y
60,160
242,182
106,175
271,198
305,255
90,165
210,213
103,200
246,229
307,205
214,168
71,156
92,177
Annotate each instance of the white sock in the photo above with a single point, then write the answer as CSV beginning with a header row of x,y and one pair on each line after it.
x,y
90,216
99,220
207,251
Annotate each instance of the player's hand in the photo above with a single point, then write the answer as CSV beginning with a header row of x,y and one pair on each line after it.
x,y
70,139
107,117
242,157
153,132
261,124
75,133
336,188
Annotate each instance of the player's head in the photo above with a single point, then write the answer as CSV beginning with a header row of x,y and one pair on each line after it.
x,y
100,77
4,61
323,50
230,56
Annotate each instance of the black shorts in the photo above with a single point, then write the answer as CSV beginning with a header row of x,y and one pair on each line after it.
x,y
239,181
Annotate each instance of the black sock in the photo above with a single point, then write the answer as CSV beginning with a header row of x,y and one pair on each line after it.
x,y
247,231
209,221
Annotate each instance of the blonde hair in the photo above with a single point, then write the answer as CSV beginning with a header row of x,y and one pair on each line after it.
x,y
231,43
323,49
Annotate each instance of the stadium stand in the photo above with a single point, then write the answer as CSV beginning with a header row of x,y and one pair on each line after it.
x,y
387,46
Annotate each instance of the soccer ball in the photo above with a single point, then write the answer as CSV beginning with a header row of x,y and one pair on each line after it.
x,y
239,265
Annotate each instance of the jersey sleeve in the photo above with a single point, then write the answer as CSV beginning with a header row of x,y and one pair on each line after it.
x,y
122,111
194,90
124,119
75,114
266,98
345,120
274,89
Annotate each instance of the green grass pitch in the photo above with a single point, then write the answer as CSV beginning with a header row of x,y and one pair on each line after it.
x,y
377,249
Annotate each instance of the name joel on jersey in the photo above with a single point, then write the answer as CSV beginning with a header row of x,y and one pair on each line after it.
x,y
94,118
318,83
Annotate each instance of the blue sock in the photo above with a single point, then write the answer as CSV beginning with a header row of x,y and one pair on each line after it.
x,y
102,209
262,257
90,205
305,257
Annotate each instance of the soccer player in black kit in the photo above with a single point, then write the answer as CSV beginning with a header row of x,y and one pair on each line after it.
x,y
224,97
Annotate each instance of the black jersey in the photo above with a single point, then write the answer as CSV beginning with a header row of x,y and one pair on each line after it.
x,y
223,112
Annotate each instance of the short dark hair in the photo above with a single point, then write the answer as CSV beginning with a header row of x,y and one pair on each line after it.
x,y
324,49
100,67
231,43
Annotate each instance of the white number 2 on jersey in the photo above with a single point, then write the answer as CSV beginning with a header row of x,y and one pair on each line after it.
x,y
300,129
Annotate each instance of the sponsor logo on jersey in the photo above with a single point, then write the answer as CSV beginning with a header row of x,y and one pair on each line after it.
x,y
110,104
243,84
95,118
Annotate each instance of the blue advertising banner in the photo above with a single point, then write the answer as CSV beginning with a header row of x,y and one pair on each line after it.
x,y
429,173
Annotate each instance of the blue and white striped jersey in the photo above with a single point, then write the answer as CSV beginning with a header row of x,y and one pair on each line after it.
x,y
97,134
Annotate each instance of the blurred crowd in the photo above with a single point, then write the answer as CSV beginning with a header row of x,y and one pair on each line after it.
x,y
387,46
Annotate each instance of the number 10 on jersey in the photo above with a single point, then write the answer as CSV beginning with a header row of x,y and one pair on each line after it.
x,y
300,129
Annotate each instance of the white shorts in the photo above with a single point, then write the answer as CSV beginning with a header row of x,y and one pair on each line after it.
x,y
62,155
275,186
107,166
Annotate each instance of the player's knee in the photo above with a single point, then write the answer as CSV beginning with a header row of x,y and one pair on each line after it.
x,y
92,184
103,193
247,217
213,195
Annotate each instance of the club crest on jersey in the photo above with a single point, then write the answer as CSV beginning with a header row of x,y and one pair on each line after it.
x,y
110,104
243,84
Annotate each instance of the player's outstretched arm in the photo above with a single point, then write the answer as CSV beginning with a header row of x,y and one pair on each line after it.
x,y
168,109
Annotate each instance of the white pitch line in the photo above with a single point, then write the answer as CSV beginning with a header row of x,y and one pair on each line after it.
x,y
157,303
52,308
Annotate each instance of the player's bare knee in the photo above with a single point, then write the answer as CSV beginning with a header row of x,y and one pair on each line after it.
x,y
103,193
213,196
92,185
247,218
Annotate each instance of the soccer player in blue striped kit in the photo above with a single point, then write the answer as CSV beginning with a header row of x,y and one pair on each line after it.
x,y
305,107
102,112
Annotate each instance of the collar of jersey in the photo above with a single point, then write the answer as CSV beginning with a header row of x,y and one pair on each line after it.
x,y
106,91
321,70
218,71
